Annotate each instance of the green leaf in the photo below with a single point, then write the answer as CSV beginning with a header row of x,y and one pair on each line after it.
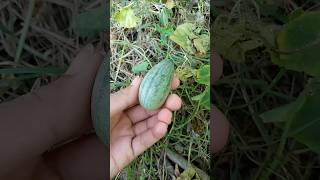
x,y
279,114
90,23
300,43
304,115
164,17
141,67
165,32
126,18
203,75
203,98
183,36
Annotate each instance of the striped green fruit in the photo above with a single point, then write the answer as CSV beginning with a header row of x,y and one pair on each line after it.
x,y
100,103
155,86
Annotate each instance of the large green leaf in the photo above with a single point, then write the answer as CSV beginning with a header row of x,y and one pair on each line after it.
x,y
304,115
299,43
90,23
203,75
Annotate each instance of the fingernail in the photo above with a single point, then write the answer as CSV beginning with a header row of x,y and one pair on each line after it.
x,y
135,81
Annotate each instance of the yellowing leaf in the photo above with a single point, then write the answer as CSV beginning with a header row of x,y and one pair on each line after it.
x,y
169,4
188,37
183,73
189,174
126,18
182,36
202,44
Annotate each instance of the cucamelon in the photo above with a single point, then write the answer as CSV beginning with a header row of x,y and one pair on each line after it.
x,y
155,86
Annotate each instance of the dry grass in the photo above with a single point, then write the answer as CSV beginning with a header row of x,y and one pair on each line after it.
x,y
49,40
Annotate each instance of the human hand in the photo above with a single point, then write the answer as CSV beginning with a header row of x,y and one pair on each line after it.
x,y
54,114
220,124
134,129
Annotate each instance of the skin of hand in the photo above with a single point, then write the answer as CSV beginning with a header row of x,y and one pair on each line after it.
x,y
134,129
220,124
31,124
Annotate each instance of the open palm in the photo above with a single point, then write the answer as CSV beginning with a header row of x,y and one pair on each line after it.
x,y
134,129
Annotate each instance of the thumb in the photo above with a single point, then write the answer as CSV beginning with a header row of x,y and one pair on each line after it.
x,y
125,98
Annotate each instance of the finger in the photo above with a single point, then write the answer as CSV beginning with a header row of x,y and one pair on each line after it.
x,y
85,158
217,66
164,116
220,130
36,121
82,64
175,83
173,102
138,113
146,139
125,98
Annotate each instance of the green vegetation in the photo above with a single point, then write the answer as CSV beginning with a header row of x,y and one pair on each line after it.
x,y
270,88
142,34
